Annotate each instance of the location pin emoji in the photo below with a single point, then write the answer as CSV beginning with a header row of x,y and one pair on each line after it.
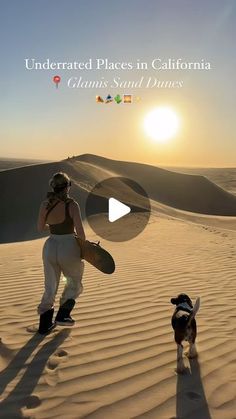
x,y
57,80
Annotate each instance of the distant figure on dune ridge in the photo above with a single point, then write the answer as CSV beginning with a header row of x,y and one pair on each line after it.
x,y
61,252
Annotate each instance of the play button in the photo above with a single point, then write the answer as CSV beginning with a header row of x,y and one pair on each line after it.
x,y
117,209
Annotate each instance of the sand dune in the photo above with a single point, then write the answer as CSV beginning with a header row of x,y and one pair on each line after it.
x,y
9,163
187,192
25,187
224,177
119,359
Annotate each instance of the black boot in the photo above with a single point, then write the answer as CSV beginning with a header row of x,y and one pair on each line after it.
x,y
63,317
45,322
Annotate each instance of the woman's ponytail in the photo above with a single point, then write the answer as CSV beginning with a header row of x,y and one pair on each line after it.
x,y
59,183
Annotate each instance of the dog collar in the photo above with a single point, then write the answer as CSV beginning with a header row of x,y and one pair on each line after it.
x,y
185,307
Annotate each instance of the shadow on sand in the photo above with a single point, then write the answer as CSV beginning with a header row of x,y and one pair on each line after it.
x,y
21,396
190,396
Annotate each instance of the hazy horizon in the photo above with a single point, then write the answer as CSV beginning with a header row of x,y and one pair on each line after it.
x,y
106,157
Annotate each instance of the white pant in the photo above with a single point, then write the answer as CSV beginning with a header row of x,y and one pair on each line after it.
x,y
61,254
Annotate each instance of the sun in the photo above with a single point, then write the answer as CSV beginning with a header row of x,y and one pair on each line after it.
x,y
161,124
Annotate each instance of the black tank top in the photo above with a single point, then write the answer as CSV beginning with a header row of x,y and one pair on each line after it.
x,y
67,226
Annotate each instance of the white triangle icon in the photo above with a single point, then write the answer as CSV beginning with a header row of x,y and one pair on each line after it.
x,y
116,210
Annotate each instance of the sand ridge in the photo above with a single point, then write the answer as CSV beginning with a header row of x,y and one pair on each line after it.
x,y
119,359
24,188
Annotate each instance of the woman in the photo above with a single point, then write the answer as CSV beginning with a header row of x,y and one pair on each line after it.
x,y
61,252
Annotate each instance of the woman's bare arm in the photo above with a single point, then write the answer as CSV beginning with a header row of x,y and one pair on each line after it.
x,y
41,224
76,215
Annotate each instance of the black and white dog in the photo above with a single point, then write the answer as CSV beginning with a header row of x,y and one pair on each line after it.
x,y
185,327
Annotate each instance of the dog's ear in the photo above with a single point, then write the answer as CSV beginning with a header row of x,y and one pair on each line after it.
x,y
173,301
190,302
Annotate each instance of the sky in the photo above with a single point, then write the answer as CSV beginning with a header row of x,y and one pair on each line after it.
x,y
40,121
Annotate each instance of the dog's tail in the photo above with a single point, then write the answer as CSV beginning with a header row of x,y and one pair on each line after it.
x,y
194,310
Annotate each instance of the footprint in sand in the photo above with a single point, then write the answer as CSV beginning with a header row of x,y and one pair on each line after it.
x,y
61,353
56,359
32,329
52,372
51,377
52,365
32,401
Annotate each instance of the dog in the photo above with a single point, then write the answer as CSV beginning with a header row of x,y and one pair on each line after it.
x,y
185,327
